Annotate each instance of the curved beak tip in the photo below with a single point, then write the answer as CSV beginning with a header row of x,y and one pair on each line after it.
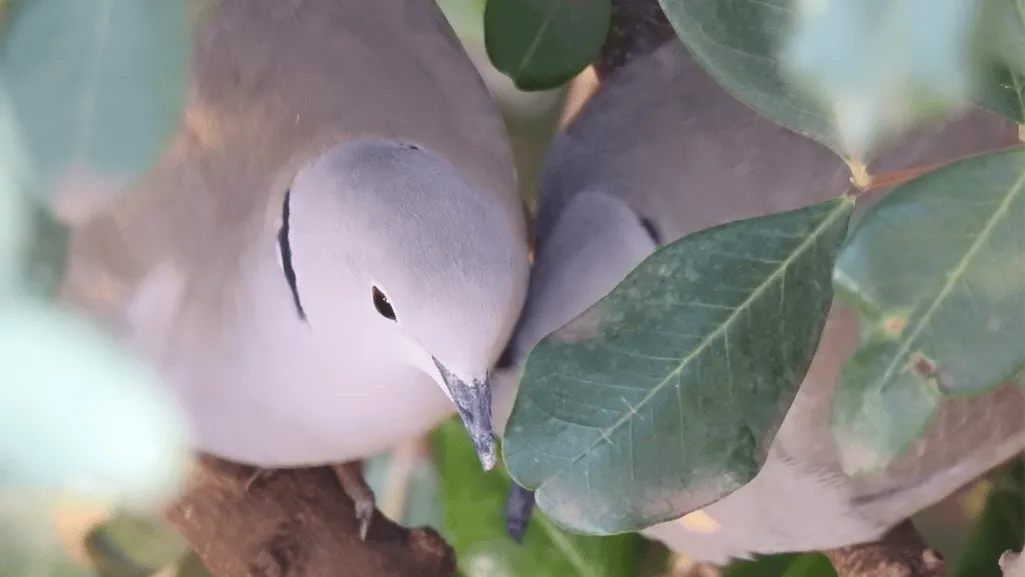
x,y
473,402
486,452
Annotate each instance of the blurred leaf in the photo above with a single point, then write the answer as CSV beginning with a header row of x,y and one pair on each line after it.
x,y
1001,526
738,43
783,565
28,545
98,86
475,524
1002,93
1002,88
466,18
94,423
541,44
13,205
192,566
654,559
1007,20
882,66
47,252
935,271
131,546
665,395
423,501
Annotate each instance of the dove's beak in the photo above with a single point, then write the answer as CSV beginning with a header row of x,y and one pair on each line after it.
x,y
473,401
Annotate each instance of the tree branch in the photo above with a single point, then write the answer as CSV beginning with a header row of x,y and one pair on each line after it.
x,y
295,523
900,553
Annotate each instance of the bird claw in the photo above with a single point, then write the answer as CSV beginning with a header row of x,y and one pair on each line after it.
x,y
364,514
350,476
518,507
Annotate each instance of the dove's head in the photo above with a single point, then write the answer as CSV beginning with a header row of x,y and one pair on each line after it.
x,y
387,241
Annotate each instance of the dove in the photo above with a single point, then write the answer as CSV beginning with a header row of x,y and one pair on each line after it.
x,y
660,151
330,254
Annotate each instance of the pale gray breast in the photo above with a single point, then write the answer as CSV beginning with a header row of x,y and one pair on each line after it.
x,y
274,83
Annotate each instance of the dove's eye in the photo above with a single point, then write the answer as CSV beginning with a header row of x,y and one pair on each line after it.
x,y
383,305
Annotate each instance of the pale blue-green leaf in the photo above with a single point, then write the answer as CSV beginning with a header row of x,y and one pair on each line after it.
x,y
936,271
422,499
882,66
738,44
14,221
96,422
98,87
665,395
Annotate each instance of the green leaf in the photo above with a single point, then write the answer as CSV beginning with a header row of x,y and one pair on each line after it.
x,y
192,566
475,524
14,217
935,271
665,395
1001,526
47,252
98,86
1001,91
422,499
783,565
129,545
28,544
541,44
738,44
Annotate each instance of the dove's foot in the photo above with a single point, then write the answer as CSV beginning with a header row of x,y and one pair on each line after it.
x,y
518,506
350,476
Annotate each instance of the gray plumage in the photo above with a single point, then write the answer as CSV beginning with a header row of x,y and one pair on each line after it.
x,y
400,182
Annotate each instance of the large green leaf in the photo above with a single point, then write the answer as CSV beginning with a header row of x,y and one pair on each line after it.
x,y
936,271
738,43
475,526
1001,526
665,395
540,44
782,565
98,87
